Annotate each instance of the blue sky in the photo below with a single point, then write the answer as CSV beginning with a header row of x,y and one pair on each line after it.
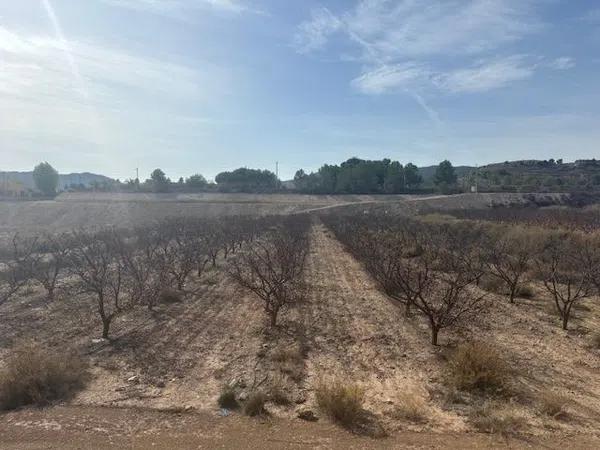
x,y
210,85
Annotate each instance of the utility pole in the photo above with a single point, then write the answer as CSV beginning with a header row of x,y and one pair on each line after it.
x,y
277,169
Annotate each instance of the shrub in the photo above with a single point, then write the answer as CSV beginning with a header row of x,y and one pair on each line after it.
x,y
277,392
411,405
477,366
552,404
169,296
36,376
288,355
501,419
291,362
255,405
227,398
525,291
341,401
492,284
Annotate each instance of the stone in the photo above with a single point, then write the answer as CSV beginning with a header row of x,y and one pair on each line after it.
x,y
133,379
243,396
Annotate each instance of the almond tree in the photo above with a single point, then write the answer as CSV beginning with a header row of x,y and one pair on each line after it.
x,y
49,261
566,266
15,271
94,260
273,269
508,255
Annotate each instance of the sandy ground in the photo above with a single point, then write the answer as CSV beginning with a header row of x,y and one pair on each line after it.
x,y
181,355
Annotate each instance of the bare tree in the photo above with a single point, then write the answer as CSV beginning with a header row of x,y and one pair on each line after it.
x,y
15,271
49,261
508,254
95,262
273,270
566,266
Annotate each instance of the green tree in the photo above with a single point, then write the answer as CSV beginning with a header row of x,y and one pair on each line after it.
x,y
46,179
160,182
412,176
445,176
196,181
394,178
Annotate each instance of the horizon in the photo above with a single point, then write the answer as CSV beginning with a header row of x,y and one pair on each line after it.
x,y
113,85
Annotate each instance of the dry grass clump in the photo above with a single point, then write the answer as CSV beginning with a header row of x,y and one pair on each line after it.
x,y
492,284
170,296
255,405
35,376
477,366
411,404
288,354
291,361
499,419
525,291
227,398
553,404
341,401
277,393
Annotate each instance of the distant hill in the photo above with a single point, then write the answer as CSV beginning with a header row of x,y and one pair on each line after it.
x,y
25,179
537,176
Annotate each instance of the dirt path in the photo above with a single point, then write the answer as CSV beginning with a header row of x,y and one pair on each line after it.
x,y
357,333
99,428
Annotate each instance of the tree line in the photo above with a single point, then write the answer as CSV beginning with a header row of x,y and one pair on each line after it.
x,y
354,176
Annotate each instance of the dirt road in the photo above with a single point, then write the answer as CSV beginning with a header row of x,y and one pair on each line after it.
x,y
99,428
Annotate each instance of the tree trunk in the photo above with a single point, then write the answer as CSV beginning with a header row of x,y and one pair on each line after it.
x,y
565,318
513,291
105,327
434,334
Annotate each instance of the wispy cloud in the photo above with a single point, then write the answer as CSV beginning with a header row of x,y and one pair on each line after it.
x,y
313,34
562,63
179,8
485,76
389,78
387,30
404,45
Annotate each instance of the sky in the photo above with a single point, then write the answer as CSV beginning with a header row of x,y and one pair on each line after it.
x,y
203,86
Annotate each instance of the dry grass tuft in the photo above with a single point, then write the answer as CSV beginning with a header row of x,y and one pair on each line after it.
x,y
477,366
291,361
36,376
227,398
255,405
525,291
288,354
170,296
277,393
341,401
411,404
499,419
492,284
553,404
